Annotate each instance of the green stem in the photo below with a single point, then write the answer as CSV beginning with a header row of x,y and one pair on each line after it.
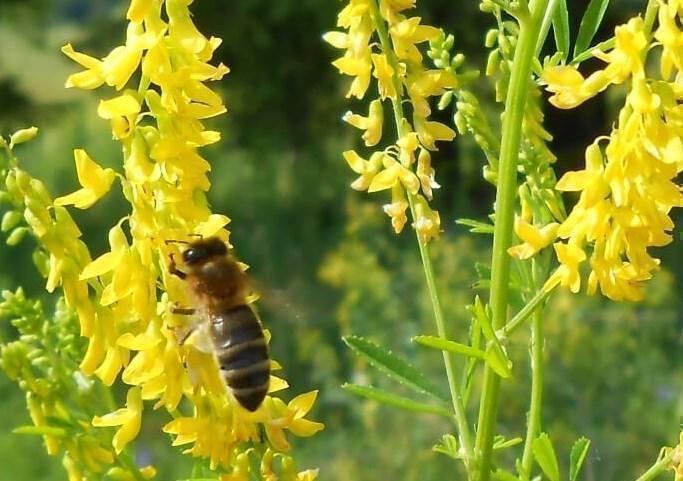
x,y
661,465
449,360
515,103
519,318
534,417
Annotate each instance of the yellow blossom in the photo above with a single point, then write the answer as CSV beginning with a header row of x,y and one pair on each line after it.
x,y
534,238
396,210
131,332
425,172
406,33
628,187
95,180
570,87
569,256
366,168
372,124
384,73
427,221
393,173
128,418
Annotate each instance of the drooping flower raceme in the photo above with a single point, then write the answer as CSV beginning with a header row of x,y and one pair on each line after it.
x,y
380,42
131,330
628,186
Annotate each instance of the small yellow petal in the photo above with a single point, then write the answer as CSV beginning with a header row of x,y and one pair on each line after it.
x,y
120,106
385,179
105,263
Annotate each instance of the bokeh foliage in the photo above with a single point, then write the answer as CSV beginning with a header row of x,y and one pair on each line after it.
x,y
326,260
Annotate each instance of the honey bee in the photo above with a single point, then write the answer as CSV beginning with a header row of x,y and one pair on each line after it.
x,y
220,289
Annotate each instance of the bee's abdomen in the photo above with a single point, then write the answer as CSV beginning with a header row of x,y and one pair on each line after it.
x,y
242,355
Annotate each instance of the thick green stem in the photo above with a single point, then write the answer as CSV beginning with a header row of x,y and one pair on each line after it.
x,y
449,361
515,103
534,417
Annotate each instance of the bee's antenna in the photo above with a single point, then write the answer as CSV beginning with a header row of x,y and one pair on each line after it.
x,y
175,241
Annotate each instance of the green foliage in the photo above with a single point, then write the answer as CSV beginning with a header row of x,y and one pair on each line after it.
x,y
577,457
590,23
544,452
561,28
393,366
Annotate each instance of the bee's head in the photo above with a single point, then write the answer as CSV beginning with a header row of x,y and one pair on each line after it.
x,y
202,250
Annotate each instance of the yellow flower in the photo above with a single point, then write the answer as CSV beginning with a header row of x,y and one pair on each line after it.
x,y
95,180
384,73
396,210
128,418
366,168
393,173
625,60
534,238
291,417
425,172
427,221
406,33
372,124
567,274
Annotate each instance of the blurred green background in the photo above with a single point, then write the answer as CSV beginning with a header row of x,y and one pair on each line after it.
x,y
327,254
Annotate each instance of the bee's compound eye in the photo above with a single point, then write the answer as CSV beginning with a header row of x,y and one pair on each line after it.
x,y
194,254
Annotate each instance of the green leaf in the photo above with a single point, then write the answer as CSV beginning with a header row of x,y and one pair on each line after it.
x,y
447,446
561,28
499,442
450,346
589,24
476,227
393,366
545,456
40,430
586,54
495,354
577,457
395,400
499,361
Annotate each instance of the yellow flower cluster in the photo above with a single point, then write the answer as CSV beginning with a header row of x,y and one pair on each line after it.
x,y
628,187
132,333
396,64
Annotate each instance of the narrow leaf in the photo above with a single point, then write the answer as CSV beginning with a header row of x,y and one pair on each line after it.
x,y
561,28
480,313
588,53
393,366
500,442
476,227
395,400
545,456
589,24
498,361
495,354
40,430
578,456
450,346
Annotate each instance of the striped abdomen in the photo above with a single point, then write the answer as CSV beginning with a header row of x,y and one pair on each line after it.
x,y
242,354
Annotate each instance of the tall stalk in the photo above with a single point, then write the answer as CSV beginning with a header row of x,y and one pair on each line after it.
x,y
449,361
530,24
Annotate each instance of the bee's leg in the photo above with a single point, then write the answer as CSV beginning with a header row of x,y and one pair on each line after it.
x,y
173,269
183,311
186,336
